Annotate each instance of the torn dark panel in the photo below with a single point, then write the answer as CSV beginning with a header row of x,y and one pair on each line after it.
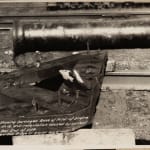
x,y
32,109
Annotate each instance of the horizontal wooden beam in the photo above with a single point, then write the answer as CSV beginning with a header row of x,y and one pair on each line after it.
x,y
84,138
130,73
128,82
73,1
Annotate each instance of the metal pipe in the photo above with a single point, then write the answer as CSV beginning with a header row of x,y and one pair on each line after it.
x,y
76,35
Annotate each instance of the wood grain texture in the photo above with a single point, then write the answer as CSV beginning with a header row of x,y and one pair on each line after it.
x,y
39,8
22,1
76,140
124,109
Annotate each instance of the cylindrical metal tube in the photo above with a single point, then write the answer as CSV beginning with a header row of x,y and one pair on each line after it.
x,y
81,35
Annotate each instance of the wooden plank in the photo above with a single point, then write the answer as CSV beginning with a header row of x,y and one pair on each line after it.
x,y
25,4
30,8
142,147
124,109
126,83
22,1
129,60
84,138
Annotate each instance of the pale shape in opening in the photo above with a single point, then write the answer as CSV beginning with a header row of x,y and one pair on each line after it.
x,y
66,75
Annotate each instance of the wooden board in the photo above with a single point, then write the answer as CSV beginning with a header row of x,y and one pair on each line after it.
x,y
80,139
126,108
71,0
40,8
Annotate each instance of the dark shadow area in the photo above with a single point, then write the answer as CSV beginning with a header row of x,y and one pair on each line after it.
x,y
6,140
52,84
87,126
142,142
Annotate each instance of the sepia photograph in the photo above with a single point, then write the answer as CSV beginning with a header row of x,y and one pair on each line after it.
x,y
75,74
